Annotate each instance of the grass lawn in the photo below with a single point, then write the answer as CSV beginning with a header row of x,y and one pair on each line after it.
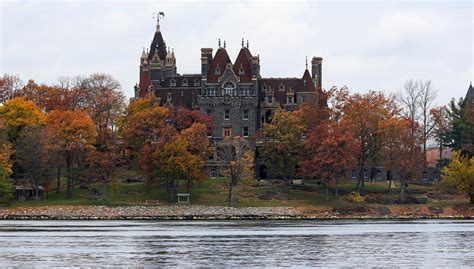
x,y
213,192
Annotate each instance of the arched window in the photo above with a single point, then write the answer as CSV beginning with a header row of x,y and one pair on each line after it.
x,y
229,88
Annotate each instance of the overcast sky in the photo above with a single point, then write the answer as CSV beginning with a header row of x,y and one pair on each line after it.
x,y
366,45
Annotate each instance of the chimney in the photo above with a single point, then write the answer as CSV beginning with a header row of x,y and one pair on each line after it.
x,y
206,60
317,71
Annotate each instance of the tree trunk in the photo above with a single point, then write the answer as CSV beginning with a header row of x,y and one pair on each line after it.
x,y
231,195
403,191
36,189
69,177
285,177
389,185
360,178
58,179
472,197
327,192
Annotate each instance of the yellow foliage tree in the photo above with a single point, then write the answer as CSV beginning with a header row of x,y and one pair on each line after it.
x,y
460,174
18,113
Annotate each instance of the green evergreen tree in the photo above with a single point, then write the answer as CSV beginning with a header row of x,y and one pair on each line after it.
x,y
461,128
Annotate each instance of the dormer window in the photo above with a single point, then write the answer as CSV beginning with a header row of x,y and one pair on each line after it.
x,y
270,99
217,71
229,88
172,82
197,82
241,71
290,100
185,82
281,88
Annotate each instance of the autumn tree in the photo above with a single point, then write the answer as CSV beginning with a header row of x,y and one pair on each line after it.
x,y
282,143
6,150
18,113
363,113
5,187
101,167
441,126
237,157
417,99
105,103
70,133
145,122
460,174
32,156
330,150
173,161
402,150
9,85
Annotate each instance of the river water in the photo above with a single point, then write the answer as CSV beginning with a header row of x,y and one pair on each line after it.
x,y
341,243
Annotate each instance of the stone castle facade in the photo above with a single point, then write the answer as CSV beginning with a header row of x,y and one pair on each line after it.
x,y
234,93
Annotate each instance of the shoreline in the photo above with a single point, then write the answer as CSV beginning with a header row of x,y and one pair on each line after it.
x,y
190,212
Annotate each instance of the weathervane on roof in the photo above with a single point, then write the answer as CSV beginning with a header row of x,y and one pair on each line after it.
x,y
158,15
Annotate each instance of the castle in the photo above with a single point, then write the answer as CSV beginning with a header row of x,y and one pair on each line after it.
x,y
237,97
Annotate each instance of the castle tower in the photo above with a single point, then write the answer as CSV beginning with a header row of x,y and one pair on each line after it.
x,y
317,71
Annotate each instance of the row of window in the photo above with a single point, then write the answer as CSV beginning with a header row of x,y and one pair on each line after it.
x,y
227,132
230,91
354,174
245,114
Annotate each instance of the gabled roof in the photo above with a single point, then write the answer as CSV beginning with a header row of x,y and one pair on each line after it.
x,y
244,61
220,59
160,42
470,93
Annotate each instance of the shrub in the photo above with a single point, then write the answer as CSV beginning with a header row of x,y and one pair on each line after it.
x,y
346,207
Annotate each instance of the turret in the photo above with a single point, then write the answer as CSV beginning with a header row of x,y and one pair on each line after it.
x,y
317,71
255,66
206,60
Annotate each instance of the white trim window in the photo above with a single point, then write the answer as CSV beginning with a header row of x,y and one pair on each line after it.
x,y
245,114
226,114
245,131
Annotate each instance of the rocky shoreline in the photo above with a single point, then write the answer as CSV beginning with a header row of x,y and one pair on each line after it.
x,y
189,212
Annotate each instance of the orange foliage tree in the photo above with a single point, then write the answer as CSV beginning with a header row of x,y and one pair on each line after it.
x,y
70,133
18,113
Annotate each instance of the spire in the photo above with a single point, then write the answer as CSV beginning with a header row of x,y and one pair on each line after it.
x,y
224,44
172,52
242,42
306,63
247,43
157,16
144,53
219,43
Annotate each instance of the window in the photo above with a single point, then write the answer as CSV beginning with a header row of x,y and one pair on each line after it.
x,y
245,114
241,71
269,99
226,114
155,75
185,82
209,112
227,132
173,82
245,131
229,88
209,131
197,82
245,92
213,173
218,71
354,174
436,175
424,176
378,175
169,98
366,174
290,100
211,92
